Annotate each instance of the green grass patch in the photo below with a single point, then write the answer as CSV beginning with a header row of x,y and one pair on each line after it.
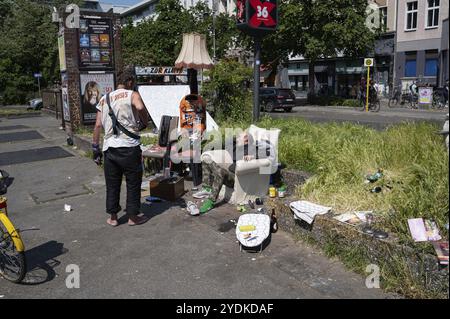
x,y
413,157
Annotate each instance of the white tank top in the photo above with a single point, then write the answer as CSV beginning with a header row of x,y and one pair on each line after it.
x,y
125,113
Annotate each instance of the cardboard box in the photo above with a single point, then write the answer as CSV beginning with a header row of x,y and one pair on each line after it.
x,y
168,189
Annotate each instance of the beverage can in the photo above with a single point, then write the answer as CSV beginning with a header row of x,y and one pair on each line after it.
x,y
272,192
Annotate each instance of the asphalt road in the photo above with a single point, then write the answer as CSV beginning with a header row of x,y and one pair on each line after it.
x,y
380,120
173,256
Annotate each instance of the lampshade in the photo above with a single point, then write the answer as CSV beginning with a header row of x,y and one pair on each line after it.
x,y
194,54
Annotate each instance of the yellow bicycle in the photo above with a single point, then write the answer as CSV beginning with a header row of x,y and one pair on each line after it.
x,y
12,249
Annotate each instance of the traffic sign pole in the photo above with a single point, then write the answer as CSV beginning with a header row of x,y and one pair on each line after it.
x,y
39,86
367,92
256,79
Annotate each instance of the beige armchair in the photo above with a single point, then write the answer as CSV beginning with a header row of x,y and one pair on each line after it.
x,y
253,177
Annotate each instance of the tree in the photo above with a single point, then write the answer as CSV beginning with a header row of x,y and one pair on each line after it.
x,y
158,40
320,29
227,91
28,44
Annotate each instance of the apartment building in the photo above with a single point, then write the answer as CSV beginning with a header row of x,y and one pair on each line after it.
x,y
147,9
419,41
97,6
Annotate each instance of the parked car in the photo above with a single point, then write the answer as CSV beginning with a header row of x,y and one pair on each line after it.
x,y
276,98
35,105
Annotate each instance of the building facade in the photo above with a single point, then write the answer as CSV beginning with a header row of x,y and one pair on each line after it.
x,y
97,6
419,41
444,56
147,9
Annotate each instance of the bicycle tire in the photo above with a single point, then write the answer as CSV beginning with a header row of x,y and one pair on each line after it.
x,y
375,107
13,265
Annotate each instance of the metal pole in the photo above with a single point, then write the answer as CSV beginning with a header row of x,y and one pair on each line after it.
x,y
256,108
39,85
367,92
214,35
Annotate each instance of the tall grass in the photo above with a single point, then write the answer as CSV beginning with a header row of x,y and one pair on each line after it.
x,y
412,156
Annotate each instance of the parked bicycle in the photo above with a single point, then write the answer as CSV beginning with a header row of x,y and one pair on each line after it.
x,y
374,101
12,250
440,100
395,98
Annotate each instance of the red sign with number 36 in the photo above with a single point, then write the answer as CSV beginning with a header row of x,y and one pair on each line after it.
x,y
257,17
262,14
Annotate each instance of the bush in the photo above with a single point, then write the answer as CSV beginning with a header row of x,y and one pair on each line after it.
x,y
227,91
333,101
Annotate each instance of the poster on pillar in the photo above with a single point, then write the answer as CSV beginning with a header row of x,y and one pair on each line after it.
x,y
95,43
65,97
93,87
257,17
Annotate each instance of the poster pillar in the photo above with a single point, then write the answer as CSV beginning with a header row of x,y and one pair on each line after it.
x,y
92,54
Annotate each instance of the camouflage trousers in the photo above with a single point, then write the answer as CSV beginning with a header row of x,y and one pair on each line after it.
x,y
215,177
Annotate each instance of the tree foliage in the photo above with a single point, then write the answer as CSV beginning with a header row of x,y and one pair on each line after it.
x,y
158,41
320,29
227,91
28,44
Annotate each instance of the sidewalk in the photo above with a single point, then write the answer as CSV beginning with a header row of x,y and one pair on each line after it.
x,y
172,256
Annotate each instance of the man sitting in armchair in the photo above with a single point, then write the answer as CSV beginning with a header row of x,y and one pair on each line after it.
x,y
216,176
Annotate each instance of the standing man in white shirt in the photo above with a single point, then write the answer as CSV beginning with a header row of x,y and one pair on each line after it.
x,y
122,114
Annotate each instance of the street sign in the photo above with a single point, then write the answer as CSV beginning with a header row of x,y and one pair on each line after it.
x,y
257,17
368,62
38,75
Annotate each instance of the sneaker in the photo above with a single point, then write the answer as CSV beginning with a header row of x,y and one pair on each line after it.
x,y
193,209
204,193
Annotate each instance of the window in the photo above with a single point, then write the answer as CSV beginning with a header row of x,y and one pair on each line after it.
x,y
433,13
411,15
431,67
410,68
383,18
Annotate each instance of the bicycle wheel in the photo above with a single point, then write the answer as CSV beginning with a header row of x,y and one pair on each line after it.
x,y
375,106
12,261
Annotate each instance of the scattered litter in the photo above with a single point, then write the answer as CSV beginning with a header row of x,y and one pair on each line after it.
x,y
376,190
353,218
69,177
375,177
380,234
67,208
241,209
75,241
307,211
253,259
282,191
259,202
423,230
252,230
260,210
2,296
441,249
152,199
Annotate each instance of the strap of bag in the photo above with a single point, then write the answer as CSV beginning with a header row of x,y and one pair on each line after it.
x,y
116,124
